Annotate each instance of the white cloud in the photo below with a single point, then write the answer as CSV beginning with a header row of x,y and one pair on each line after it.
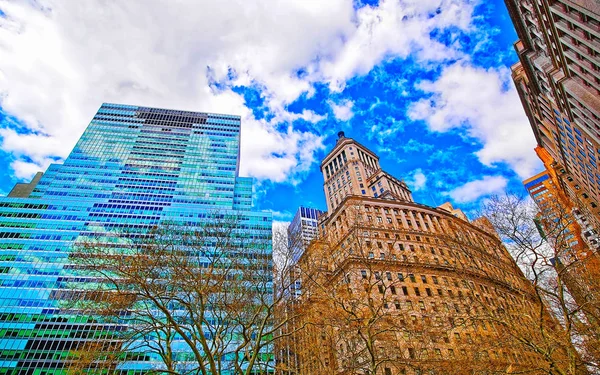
x,y
417,180
473,190
54,79
62,59
274,155
486,105
343,110
394,29
25,170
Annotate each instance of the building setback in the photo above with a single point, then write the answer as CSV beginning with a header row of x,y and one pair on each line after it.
x,y
394,287
134,168
558,81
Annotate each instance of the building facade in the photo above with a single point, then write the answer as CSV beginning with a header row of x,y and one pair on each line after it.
x,y
577,264
133,169
393,287
558,80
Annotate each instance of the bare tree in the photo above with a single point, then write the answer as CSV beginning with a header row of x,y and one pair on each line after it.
x,y
188,300
358,310
565,274
388,297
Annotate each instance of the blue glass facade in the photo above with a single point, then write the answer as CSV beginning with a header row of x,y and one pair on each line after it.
x,y
132,169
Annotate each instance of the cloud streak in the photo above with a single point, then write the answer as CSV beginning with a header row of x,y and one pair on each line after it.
x,y
417,180
473,190
485,105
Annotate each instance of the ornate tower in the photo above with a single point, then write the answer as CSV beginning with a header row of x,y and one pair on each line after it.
x,y
352,169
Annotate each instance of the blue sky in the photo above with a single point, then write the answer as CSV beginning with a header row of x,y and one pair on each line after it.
x,y
423,83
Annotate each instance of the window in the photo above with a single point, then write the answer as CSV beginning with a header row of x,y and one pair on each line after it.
x,y
405,291
380,287
424,279
412,278
435,279
417,292
363,273
428,291
393,289
377,275
400,276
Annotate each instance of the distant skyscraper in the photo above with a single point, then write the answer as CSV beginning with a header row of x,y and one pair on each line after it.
x,y
394,282
132,169
302,230
558,80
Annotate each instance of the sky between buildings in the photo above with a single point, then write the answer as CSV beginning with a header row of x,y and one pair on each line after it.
x,y
424,83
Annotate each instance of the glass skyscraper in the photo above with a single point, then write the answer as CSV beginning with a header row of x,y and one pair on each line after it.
x,y
132,169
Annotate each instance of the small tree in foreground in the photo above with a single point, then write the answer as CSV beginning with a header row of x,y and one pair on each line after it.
x,y
565,274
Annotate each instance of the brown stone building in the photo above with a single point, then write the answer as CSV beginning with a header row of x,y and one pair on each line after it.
x,y
558,80
396,287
